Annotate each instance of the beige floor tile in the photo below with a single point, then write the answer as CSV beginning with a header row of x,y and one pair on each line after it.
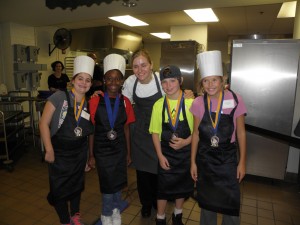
x,y
23,199
249,202
247,218
265,213
265,221
265,205
249,210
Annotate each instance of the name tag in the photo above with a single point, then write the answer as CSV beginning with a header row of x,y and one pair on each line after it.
x,y
228,104
85,115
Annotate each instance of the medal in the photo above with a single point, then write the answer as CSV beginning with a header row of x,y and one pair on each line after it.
x,y
78,131
173,120
111,135
214,141
215,123
112,115
77,114
174,135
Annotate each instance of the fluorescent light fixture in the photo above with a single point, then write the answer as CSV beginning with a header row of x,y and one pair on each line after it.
x,y
202,15
288,9
162,35
129,20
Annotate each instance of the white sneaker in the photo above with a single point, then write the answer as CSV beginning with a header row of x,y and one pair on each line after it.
x,y
116,217
106,220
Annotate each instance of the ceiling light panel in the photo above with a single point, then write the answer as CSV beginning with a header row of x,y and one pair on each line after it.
x,y
129,21
202,15
161,35
287,10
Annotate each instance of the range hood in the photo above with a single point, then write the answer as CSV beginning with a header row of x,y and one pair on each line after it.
x,y
104,38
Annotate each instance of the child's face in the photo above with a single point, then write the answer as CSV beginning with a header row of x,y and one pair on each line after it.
x,y
82,82
212,85
171,86
113,81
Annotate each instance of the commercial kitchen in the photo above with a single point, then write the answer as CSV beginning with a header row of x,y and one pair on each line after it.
x,y
260,53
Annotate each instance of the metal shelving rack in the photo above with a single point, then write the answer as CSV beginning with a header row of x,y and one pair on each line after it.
x,y
12,135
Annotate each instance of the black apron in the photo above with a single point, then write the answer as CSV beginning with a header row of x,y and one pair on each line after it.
x,y
217,185
176,182
66,174
142,149
110,155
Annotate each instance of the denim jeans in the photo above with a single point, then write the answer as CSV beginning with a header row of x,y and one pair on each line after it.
x,y
210,218
110,202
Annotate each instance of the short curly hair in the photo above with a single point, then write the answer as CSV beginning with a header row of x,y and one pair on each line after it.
x,y
53,65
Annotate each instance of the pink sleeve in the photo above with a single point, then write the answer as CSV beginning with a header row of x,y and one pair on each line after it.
x,y
197,108
241,107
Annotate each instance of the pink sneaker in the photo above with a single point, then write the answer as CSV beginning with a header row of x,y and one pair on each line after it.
x,y
75,220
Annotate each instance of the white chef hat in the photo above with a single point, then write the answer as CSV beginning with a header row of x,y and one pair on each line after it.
x,y
83,64
114,62
210,63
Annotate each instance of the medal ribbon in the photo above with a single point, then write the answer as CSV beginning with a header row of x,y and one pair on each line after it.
x,y
112,114
218,111
173,121
77,113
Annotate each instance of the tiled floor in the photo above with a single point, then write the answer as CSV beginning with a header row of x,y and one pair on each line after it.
x,y
23,199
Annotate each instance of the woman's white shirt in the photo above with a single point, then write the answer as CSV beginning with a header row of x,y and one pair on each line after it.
x,y
142,90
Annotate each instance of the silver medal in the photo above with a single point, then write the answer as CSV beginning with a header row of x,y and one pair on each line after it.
x,y
111,135
78,131
174,135
214,141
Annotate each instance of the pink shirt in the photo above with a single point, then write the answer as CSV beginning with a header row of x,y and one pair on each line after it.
x,y
197,108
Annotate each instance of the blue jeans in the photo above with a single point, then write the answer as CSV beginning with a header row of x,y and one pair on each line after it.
x,y
210,218
110,202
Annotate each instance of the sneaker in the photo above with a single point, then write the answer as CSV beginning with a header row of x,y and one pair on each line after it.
x,y
75,220
177,220
161,221
106,220
116,217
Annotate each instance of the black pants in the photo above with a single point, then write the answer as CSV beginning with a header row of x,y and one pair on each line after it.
x,y
62,209
147,188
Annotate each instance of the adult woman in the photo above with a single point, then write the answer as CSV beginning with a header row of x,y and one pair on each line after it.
x,y
144,89
58,80
65,126
218,122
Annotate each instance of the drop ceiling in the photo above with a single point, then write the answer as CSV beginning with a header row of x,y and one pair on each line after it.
x,y
237,17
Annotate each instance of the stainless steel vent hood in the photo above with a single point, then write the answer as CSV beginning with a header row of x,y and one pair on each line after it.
x,y
106,37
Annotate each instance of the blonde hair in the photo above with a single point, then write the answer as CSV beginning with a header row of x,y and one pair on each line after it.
x,y
223,80
141,52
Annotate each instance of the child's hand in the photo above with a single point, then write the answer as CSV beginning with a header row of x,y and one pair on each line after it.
x,y
177,143
49,156
91,162
96,93
194,171
129,161
241,171
164,163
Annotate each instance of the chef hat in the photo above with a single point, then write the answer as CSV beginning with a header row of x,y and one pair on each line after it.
x,y
83,64
170,71
210,64
114,62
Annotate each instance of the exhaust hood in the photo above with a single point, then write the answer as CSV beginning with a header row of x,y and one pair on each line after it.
x,y
104,38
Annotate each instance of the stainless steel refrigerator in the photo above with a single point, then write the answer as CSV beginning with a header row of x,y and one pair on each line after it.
x,y
265,73
182,54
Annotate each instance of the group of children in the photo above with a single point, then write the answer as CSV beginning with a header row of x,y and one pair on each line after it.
x,y
194,140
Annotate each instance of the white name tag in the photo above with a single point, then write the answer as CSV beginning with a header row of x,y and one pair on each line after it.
x,y
85,115
228,104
